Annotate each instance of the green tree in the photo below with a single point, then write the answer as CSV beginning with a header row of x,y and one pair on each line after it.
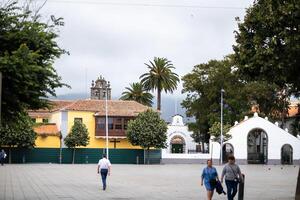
x,y
203,86
78,136
268,44
160,77
18,135
198,136
138,93
28,49
147,131
215,130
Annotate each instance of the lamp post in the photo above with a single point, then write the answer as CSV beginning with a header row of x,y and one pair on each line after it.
x,y
222,92
106,120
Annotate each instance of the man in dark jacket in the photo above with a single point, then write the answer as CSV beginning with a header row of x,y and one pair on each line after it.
x,y
2,156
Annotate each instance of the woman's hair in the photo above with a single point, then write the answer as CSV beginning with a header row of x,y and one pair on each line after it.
x,y
231,157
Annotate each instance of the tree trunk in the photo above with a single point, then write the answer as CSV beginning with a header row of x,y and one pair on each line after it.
x,y
73,156
202,144
9,155
148,156
158,99
283,113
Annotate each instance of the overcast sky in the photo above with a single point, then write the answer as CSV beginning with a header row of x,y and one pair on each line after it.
x,y
115,38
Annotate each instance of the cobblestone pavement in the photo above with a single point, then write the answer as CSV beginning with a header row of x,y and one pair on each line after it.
x,y
54,181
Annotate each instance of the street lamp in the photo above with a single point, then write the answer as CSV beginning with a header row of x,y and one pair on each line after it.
x,y
222,92
106,120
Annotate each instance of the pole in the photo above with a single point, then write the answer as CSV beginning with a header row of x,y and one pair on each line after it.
x,y
241,188
106,124
0,97
297,196
222,91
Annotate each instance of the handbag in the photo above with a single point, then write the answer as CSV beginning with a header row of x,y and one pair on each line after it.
x,y
236,179
213,182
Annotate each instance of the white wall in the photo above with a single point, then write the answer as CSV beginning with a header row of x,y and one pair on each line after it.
x,y
178,128
277,137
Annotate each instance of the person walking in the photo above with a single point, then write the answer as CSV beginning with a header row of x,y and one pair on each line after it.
x,y
233,176
2,156
210,177
104,168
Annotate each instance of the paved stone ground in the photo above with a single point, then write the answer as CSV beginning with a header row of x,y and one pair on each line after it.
x,y
167,182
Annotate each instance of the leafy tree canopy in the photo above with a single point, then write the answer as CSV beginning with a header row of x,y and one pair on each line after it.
x,y
78,136
19,134
148,130
203,87
215,130
268,44
28,49
138,93
160,77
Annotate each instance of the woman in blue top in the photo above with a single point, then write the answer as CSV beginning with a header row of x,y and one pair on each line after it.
x,y
209,176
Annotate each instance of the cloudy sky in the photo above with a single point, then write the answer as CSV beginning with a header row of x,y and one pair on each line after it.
x,y
114,38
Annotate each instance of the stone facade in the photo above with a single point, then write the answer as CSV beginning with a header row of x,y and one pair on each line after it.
x,y
100,88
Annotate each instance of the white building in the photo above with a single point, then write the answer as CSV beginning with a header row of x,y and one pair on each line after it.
x,y
254,140
257,140
181,147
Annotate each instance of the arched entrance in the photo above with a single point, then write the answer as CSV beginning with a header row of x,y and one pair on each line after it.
x,y
227,150
287,154
177,144
257,147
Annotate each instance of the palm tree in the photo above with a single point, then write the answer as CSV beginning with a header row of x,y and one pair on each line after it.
x,y
160,77
138,93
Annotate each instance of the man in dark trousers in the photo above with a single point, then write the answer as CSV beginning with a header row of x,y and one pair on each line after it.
x,y
104,167
2,156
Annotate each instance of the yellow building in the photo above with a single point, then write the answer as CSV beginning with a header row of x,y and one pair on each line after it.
x,y
55,123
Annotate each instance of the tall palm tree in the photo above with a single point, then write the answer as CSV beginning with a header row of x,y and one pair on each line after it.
x,y
160,77
138,93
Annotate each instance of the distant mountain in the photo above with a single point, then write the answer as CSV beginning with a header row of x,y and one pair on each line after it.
x,y
168,104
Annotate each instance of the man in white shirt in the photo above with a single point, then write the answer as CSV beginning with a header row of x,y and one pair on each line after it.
x,y
104,166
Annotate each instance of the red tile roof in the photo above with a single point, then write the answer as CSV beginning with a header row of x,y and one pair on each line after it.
x,y
115,107
55,105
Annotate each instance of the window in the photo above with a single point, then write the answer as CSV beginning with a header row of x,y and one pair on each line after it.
x,y
101,123
45,120
126,123
76,119
118,123
110,123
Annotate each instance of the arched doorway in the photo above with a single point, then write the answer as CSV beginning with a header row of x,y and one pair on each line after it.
x,y
177,144
287,154
227,150
257,147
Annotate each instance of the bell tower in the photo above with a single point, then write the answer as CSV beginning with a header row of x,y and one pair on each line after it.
x,y
100,88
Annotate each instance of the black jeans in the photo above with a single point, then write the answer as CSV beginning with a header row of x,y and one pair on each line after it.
x,y
2,161
231,189
103,176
